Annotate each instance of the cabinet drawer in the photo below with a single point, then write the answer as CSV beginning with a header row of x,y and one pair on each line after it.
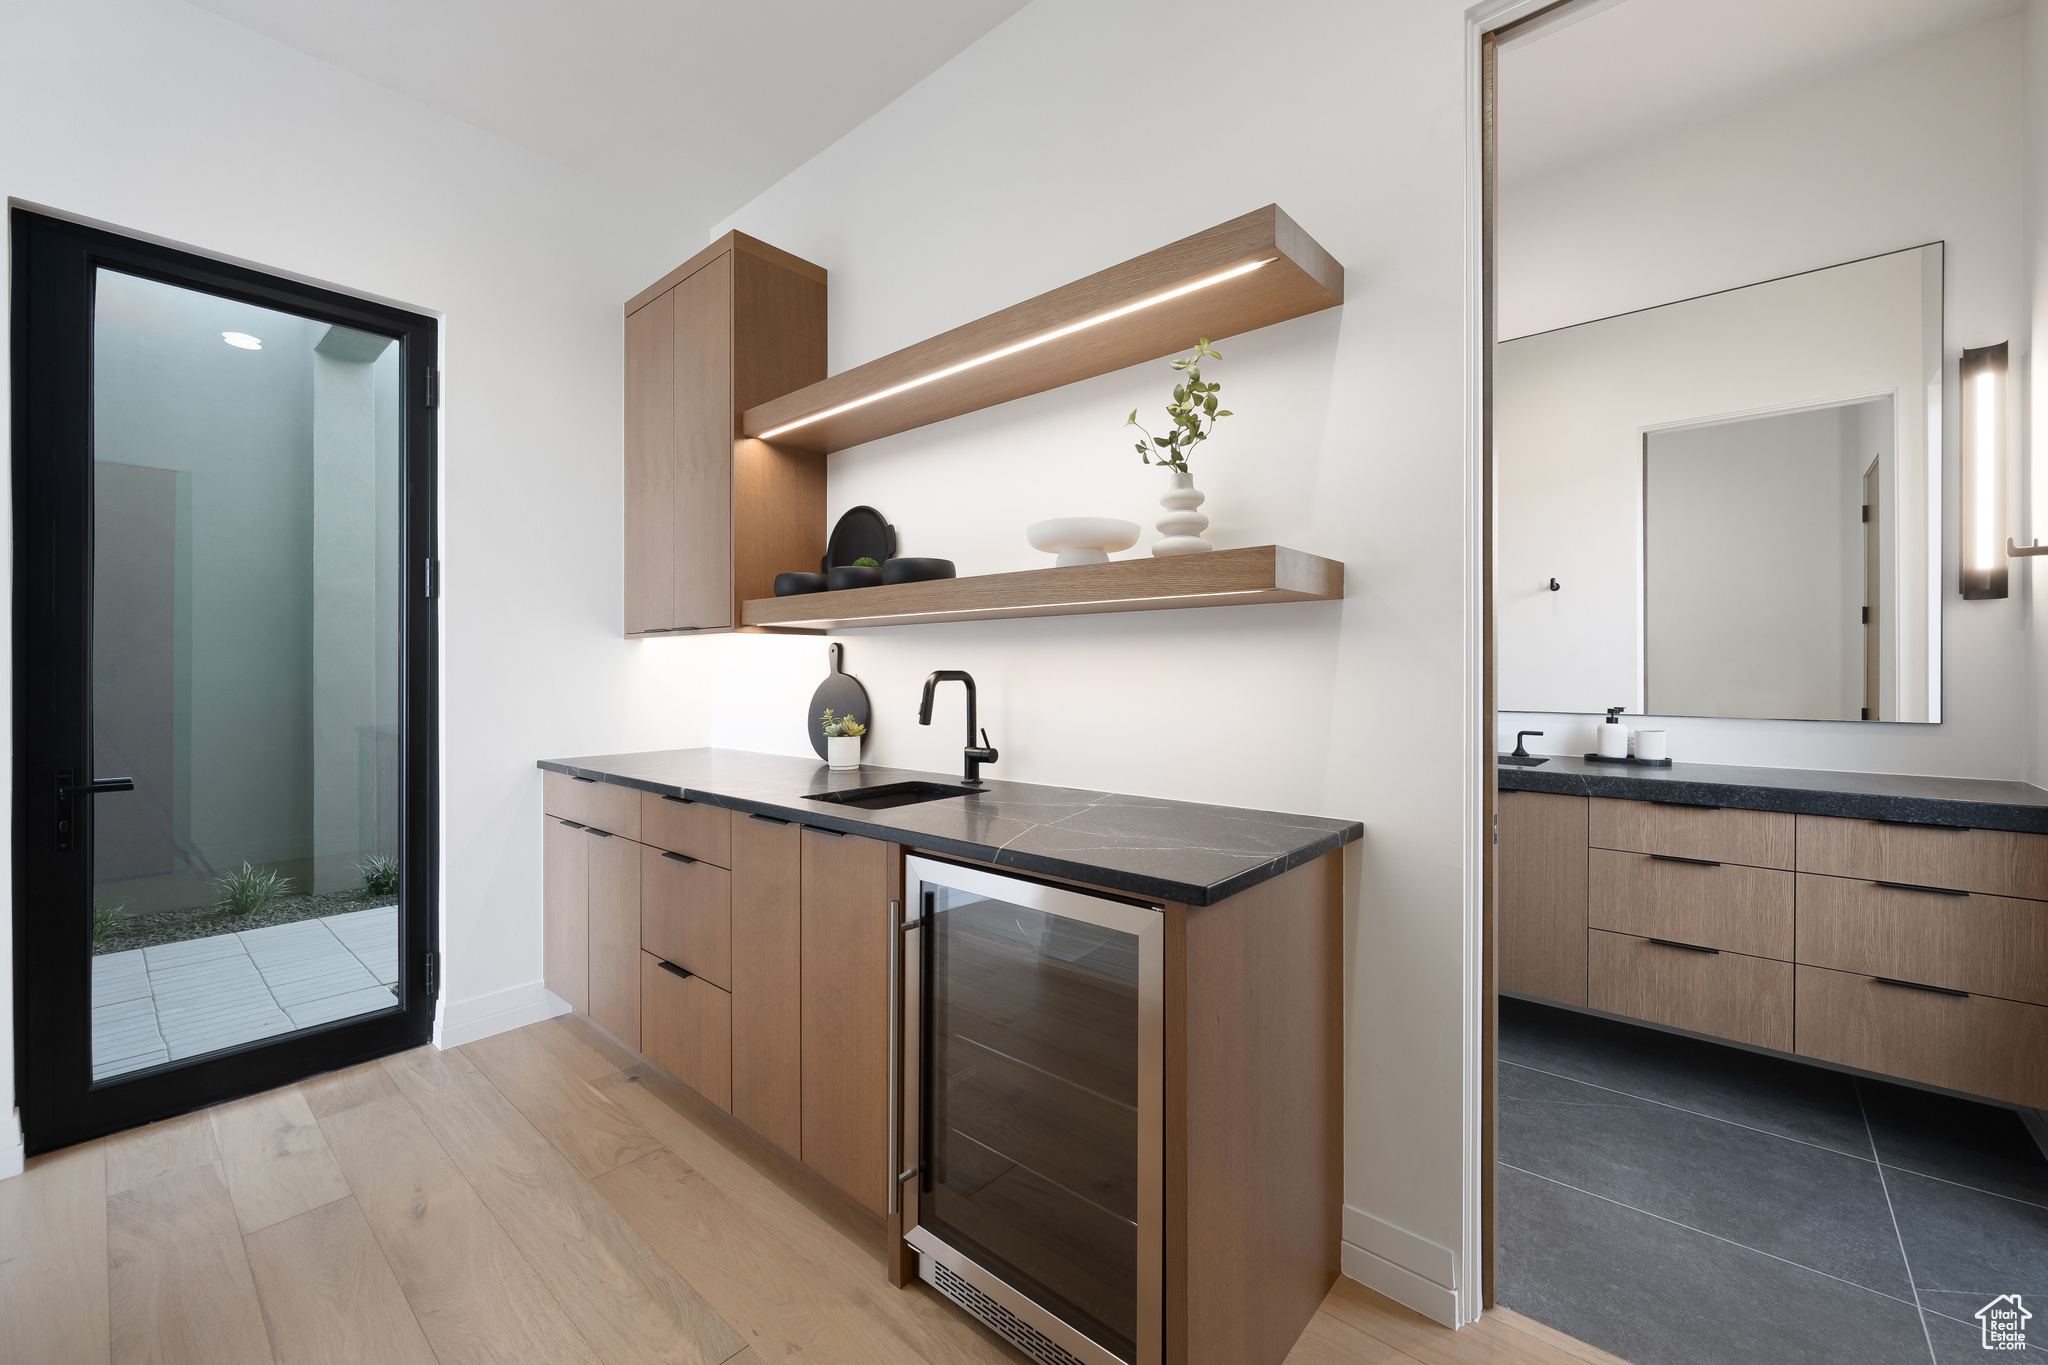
x,y
691,828
1757,838
686,1029
1973,1043
1991,861
1727,995
1987,945
604,805
1742,909
686,914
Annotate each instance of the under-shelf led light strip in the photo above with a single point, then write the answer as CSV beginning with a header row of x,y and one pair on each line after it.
x,y
969,611
1025,345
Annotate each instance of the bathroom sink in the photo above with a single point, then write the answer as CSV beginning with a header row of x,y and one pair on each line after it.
x,y
1525,761
892,794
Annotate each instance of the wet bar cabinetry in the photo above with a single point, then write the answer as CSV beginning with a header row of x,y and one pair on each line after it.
x,y
757,972
1910,948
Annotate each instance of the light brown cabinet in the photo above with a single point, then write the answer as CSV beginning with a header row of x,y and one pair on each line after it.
x,y
710,519
847,886
1916,951
686,1028
565,911
1542,916
686,914
615,935
767,979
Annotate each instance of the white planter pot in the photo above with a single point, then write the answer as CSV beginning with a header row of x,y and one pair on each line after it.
x,y
842,752
1182,526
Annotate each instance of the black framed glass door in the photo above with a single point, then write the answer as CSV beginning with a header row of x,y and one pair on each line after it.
x,y
224,679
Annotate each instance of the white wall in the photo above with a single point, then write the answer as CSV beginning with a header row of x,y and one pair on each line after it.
x,y
1051,149
2028,579
165,120
1791,186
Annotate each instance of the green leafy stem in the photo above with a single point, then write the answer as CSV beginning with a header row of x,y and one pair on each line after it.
x,y
1193,413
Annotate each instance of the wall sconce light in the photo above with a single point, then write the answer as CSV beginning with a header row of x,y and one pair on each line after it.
x,y
1982,574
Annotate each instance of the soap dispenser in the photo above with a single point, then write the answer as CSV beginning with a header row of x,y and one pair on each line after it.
x,y
1611,739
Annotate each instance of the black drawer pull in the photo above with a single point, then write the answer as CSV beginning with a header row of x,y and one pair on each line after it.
x,y
679,800
1674,858
1923,824
571,823
1689,947
819,829
1916,986
593,829
574,778
678,857
671,968
768,819
1683,805
1930,890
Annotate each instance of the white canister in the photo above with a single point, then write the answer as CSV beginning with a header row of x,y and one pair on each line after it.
x,y
1650,745
842,752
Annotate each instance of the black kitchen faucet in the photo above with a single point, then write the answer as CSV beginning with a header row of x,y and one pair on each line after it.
x,y
975,755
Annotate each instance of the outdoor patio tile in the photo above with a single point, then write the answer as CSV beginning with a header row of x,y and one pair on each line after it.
x,y
119,976
120,1066
342,1006
291,995
192,950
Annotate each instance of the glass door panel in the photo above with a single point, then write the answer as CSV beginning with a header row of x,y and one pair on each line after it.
x,y
1032,1104
246,658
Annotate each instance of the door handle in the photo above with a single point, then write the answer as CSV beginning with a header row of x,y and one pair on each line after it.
x,y
99,786
67,789
895,1056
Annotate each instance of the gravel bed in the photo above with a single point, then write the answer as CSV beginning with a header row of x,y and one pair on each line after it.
x,y
175,926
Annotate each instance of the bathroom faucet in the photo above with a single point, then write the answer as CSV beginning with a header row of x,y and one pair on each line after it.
x,y
975,755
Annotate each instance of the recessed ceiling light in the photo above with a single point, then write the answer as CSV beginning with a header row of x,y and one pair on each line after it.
x,y
243,340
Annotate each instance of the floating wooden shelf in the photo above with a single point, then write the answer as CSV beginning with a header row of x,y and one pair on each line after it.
x,y
1153,306
1224,578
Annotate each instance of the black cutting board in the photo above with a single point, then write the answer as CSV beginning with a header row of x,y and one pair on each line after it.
x,y
840,691
863,533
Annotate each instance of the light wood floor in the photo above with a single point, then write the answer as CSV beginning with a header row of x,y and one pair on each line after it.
x,y
537,1196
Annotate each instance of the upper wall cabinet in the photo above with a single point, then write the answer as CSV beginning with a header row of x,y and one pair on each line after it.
x,y
710,519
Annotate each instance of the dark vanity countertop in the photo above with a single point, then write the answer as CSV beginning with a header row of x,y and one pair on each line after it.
x,y
1137,845
1977,803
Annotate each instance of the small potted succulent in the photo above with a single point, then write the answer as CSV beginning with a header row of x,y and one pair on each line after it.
x,y
842,741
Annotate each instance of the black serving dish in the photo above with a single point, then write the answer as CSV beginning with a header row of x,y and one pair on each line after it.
x,y
917,570
843,576
1631,761
791,584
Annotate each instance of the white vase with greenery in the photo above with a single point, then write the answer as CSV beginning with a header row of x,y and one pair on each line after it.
x,y
1194,415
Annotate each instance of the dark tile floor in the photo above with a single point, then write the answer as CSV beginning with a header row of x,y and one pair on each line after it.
x,y
1680,1203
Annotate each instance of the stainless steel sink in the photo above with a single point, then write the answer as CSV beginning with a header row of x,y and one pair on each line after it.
x,y
892,794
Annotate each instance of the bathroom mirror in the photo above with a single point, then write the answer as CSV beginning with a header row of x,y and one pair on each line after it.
x,y
1728,505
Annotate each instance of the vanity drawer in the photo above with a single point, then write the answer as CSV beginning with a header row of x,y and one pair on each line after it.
x,y
1713,905
691,828
686,1029
686,914
1987,945
1977,1044
1727,995
601,805
1991,861
1756,838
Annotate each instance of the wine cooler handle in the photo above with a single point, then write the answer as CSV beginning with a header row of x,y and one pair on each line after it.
x,y
895,1150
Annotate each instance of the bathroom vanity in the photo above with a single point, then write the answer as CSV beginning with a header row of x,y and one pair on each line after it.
x,y
1893,924
1078,1053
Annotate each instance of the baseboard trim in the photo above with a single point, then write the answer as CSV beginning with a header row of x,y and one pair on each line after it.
x,y
13,1155
465,1021
1400,1284
1391,1242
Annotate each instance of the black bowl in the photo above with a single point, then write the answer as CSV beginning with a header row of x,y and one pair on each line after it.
x,y
842,576
917,570
790,584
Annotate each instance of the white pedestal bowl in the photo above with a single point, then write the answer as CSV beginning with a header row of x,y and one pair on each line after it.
x,y
1081,540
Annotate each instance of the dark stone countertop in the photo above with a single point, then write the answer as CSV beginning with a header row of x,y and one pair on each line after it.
x,y
1137,845
1977,803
